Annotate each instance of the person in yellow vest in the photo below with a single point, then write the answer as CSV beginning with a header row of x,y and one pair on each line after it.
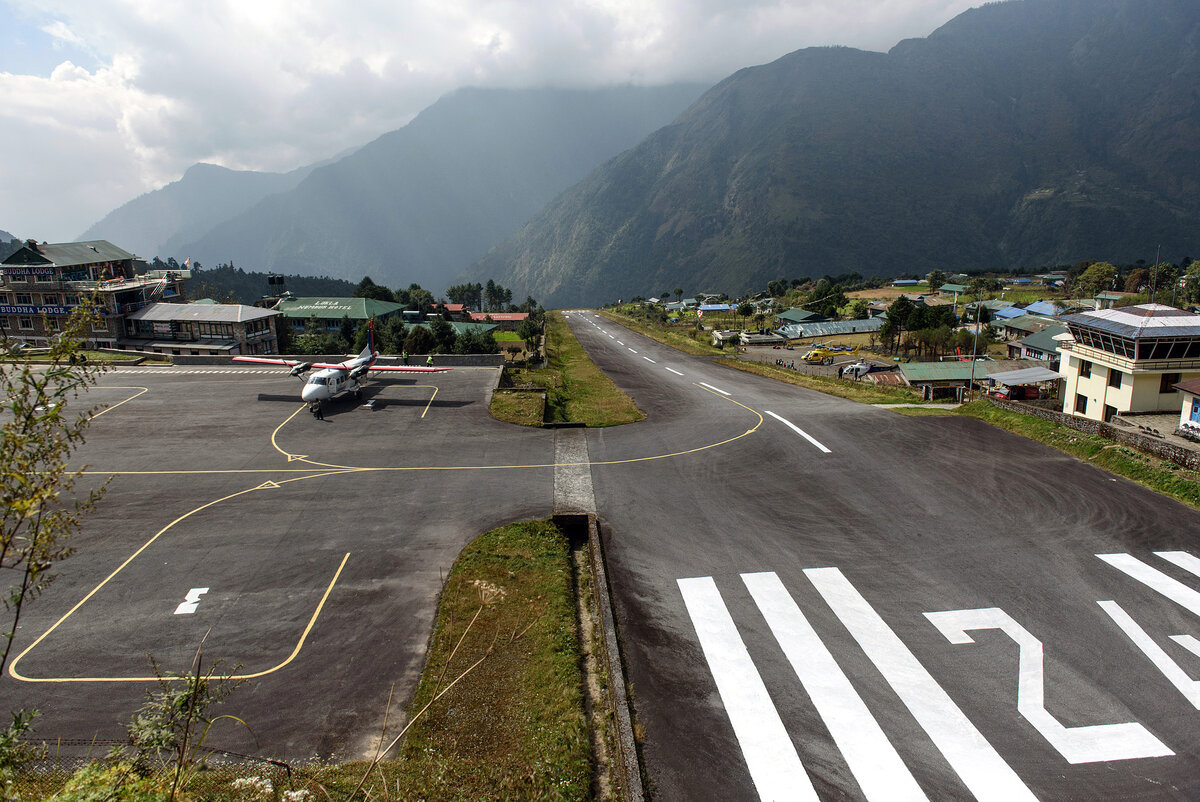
x,y
429,361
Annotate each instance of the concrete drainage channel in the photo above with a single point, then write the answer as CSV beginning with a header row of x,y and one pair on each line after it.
x,y
618,772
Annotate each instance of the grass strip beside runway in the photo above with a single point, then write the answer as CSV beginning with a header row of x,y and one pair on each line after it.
x,y
513,725
576,391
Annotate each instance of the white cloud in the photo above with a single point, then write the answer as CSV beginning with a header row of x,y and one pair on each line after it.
x,y
273,84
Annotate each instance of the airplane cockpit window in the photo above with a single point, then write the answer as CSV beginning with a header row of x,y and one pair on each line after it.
x,y
317,380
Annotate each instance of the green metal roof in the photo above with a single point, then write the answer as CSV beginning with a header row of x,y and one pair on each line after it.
x,y
800,316
460,326
70,254
1044,340
959,288
338,308
918,372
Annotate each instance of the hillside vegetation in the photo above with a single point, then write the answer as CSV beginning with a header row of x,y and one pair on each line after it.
x,y
1019,134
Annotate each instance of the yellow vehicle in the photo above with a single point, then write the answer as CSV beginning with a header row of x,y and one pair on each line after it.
x,y
824,354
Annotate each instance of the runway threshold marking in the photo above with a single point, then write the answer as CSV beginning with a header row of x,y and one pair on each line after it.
x,y
766,746
12,667
873,761
976,761
799,431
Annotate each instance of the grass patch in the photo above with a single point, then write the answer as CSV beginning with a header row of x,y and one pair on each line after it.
x,y
523,407
679,336
511,725
863,392
1162,476
575,389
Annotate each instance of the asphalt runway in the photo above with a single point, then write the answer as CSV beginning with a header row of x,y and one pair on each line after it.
x,y
311,552
818,599
838,602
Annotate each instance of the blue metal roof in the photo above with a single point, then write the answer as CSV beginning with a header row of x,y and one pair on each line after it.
x,y
1044,308
1008,312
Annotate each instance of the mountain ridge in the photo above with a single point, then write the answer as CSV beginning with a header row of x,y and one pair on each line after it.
x,y
1034,132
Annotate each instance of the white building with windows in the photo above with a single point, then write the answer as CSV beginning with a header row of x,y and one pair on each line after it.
x,y
1128,360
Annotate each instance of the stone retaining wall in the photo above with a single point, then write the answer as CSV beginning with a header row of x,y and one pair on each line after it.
x,y
1184,457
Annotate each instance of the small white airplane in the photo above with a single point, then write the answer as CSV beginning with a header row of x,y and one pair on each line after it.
x,y
331,380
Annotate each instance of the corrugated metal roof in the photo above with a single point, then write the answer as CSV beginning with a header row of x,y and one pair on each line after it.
x,y
831,327
68,254
204,313
920,372
1030,323
1191,386
1043,308
1044,340
1009,313
1013,378
1135,322
800,316
325,308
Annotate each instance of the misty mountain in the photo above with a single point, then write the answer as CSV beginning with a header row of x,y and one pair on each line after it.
x,y
5,236
158,223
422,203
1027,133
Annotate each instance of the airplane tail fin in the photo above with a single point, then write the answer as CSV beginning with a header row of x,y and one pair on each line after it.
x,y
369,351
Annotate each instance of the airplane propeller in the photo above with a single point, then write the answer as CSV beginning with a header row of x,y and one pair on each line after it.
x,y
301,369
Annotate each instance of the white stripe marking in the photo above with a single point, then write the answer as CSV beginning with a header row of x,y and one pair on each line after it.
x,y
620,343
873,760
631,350
981,768
648,359
799,431
714,389
1155,579
1187,562
1189,687
677,373
770,754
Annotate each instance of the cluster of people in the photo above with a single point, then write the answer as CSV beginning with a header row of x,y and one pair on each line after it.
x,y
785,364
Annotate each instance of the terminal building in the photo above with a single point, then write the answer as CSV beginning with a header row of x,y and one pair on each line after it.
x,y
1128,360
202,329
42,283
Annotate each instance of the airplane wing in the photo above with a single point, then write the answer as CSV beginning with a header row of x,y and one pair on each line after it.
x,y
409,368
291,363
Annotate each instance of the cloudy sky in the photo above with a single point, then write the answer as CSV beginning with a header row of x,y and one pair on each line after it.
x,y
102,100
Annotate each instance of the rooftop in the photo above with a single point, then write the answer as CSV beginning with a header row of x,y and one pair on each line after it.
x,y
202,312
1144,320
325,308
68,254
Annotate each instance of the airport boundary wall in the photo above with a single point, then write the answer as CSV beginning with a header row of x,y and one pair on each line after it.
x,y
1184,457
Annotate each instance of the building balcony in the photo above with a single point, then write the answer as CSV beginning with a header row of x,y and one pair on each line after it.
x,y
1127,365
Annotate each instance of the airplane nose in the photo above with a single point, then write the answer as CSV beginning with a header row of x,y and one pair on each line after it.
x,y
309,393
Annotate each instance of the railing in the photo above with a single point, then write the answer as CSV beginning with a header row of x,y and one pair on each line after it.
x,y
1130,365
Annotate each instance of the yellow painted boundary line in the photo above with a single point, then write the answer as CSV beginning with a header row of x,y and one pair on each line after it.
x,y
435,392
12,667
144,390
340,469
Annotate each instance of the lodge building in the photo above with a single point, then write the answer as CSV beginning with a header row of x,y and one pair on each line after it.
x,y
42,283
